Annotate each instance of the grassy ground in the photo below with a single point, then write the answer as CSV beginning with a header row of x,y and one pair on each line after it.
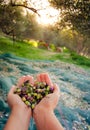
x,y
25,50
22,49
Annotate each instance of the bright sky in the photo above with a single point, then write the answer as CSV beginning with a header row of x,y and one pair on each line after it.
x,y
48,15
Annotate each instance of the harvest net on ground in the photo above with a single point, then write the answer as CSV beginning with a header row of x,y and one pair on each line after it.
x,y
73,109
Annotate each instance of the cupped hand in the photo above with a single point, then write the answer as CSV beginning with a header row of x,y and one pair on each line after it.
x,y
14,100
50,101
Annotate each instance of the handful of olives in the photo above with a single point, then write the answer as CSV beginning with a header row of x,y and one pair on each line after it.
x,y
33,94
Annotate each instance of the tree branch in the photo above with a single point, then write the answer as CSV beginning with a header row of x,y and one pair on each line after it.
x,y
25,6
6,32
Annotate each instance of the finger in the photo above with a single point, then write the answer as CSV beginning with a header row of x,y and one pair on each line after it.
x,y
30,78
25,78
42,77
12,89
38,78
48,80
21,80
56,89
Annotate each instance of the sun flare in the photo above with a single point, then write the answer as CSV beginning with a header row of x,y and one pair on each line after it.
x,y
48,16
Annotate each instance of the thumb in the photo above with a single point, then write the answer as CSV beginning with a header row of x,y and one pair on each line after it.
x,y
56,89
12,89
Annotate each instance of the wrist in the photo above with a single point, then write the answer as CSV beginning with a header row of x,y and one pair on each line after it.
x,y
40,112
19,119
22,111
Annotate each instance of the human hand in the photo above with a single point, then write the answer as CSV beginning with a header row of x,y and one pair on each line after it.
x,y
14,100
49,102
20,115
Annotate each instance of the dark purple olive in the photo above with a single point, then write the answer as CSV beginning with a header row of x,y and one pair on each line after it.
x,y
51,89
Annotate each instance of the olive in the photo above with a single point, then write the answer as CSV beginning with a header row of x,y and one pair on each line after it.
x,y
33,94
51,89
24,99
47,88
27,103
33,106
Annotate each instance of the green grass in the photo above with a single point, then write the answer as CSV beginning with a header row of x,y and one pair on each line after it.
x,y
25,50
73,58
21,49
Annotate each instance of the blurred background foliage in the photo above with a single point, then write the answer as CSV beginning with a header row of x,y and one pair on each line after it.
x,y
71,30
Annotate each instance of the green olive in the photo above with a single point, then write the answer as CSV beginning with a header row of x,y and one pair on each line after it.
x,y
33,106
27,103
24,99
29,94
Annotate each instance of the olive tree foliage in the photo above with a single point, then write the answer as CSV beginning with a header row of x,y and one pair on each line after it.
x,y
13,22
32,29
10,21
75,21
74,13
